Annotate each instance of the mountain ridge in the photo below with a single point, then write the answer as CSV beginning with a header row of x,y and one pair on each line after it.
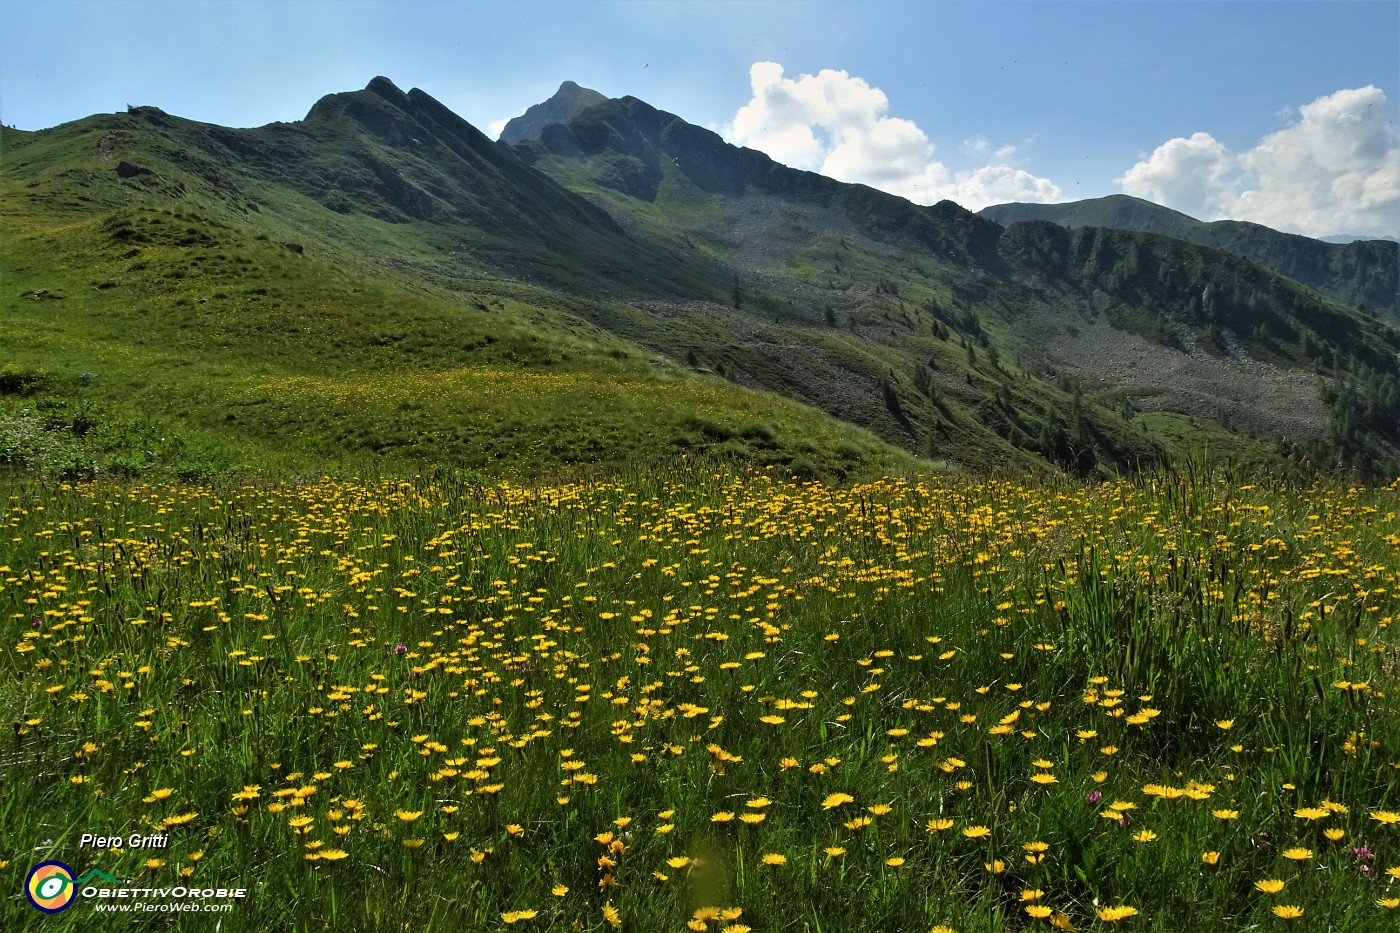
x,y
979,259
1362,272
642,134
631,230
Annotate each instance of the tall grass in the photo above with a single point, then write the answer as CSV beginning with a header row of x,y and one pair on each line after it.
x,y
693,698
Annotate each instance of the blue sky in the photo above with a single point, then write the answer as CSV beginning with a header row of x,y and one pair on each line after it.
x,y
1218,108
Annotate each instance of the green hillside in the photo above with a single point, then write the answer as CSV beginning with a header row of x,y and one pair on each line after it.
x,y
182,317
1052,344
381,283
1363,274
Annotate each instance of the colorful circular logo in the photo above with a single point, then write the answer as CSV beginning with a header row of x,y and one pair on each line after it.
x,y
50,887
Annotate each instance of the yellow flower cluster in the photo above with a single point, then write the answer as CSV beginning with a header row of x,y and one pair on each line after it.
x,y
721,682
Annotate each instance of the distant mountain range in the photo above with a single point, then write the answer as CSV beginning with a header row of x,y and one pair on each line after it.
x,y
620,284
1352,238
1356,271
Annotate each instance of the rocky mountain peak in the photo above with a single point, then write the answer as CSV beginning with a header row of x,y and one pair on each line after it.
x,y
568,102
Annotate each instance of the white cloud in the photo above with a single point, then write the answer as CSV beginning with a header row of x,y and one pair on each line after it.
x,y
496,127
1335,169
1192,175
838,125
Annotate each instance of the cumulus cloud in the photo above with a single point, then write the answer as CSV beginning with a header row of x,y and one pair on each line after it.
x,y
1194,175
495,127
837,124
1334,169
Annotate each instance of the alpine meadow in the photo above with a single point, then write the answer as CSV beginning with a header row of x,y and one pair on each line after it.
x,y
609,527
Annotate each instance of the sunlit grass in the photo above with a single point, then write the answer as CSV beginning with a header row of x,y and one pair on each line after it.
x,y
209,349
699,699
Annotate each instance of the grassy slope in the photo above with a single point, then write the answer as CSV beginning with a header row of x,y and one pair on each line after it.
x,y
889,308
59,176
924,325
890,274
862,316
212,342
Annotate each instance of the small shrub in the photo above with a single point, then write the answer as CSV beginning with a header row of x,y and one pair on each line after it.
x,y
17,380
